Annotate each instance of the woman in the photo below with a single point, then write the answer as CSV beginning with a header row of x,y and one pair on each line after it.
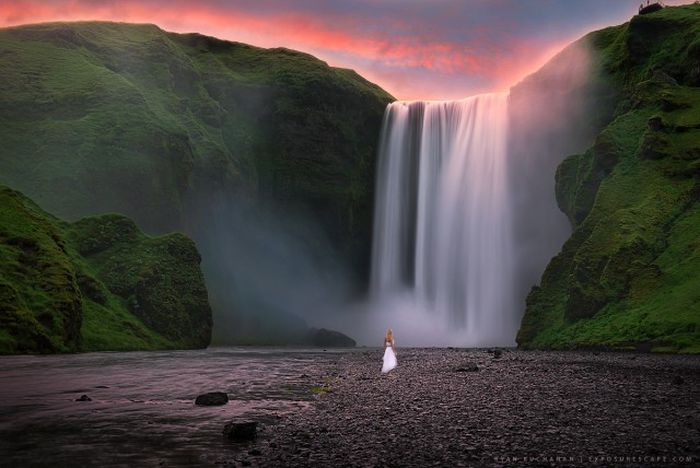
x,y
389,356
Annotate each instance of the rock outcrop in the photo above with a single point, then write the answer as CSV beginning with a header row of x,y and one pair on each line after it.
x,y
95,284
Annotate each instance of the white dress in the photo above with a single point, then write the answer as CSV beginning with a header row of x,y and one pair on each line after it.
x,y
389,358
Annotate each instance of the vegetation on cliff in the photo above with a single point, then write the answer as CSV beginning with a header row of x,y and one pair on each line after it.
x,y
95,284
181,132
108,117
629,275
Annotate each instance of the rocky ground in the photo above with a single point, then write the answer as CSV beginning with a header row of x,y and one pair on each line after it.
x,y
519,408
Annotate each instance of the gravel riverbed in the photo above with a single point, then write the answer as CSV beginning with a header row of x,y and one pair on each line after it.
x,y
333,408
520,409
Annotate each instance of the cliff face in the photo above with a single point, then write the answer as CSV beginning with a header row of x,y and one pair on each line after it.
x,y
188,132
109,117
96,284
629,275
554,112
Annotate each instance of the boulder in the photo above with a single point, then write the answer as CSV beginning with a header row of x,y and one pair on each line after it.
x,y
211,399
84,398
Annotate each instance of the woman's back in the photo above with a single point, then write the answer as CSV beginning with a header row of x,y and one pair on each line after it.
x,y
389,356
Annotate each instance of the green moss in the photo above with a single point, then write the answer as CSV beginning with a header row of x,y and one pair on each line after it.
x,y
628,276
96,284
39,297
113,328
108,117
320,390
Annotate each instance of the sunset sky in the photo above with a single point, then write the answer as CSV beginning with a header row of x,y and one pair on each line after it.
x,y
413,49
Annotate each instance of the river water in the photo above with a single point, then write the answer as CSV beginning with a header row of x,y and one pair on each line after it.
x,y
142,411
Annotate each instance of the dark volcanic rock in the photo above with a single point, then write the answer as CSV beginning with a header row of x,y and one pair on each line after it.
x,y
212,399
678,380
330,338
236,430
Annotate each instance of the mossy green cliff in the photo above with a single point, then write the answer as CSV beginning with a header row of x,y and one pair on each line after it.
x,y
181,131
95,284
108,117
629,275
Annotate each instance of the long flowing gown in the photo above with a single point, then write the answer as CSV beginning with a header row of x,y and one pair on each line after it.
x,y
389,357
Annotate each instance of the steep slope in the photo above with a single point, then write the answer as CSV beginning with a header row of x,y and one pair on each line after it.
x,y
132,119
260,150
96,284
629,275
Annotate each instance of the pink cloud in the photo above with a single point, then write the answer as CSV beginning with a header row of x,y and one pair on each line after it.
x,y
405,64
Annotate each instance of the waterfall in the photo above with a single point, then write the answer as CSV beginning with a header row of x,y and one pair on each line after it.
x,y
443,221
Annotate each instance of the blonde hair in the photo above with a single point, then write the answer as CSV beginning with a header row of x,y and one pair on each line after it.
x,y
389,335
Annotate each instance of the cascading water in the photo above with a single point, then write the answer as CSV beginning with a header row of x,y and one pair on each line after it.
x,y
443,231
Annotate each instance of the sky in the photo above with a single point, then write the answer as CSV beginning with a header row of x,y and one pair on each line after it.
x,y
430,49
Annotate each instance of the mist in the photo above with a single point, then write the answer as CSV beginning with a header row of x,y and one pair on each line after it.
x,y
414,323
271,271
